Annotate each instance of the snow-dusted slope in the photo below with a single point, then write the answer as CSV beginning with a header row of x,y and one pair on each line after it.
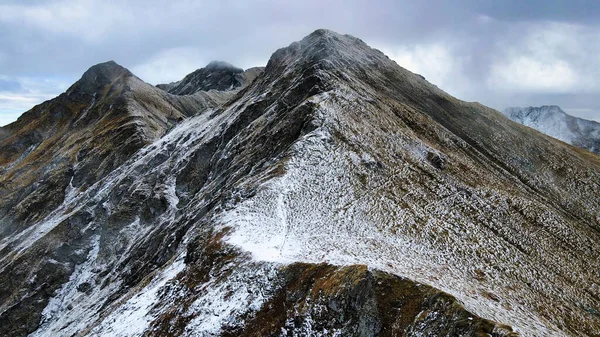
x,y
323,200
553,121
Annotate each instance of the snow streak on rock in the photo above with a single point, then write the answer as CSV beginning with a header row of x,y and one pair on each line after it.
x,y
132,317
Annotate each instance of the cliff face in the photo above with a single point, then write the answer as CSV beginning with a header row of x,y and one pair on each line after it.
x,y
329,196
553,121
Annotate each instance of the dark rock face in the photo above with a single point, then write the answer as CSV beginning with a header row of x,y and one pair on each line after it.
x,y
217,75
353,301
253,212
98,77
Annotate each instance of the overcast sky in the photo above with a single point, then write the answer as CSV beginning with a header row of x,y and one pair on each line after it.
x,y
500,53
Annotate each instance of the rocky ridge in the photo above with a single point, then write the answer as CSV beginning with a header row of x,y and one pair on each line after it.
x,y
318,200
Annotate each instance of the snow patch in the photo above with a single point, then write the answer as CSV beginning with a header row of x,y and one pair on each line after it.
x,y
224,301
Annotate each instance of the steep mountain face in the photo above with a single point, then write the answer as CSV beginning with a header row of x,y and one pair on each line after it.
x,y
553,121
328,197
62,147
70,142
216,75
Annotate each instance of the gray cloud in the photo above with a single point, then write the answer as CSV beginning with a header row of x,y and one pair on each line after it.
x,y
583,11
497,52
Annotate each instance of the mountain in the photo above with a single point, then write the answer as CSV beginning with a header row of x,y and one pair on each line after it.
x,y
82,135
216,75
337,194
553,121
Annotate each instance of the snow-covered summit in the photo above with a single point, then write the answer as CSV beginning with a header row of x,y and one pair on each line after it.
x,y
329,50
553,121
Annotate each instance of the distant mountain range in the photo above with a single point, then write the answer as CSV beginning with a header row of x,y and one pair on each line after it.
x,y
330,193
553,121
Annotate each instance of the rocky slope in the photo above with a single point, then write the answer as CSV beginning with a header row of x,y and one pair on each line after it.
x,y
553,121
70,142
326,198
63,146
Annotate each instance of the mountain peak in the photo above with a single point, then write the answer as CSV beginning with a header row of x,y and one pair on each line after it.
x,y
99,76
217,75
330,50
553,108
109,70
522,112
555,122
327,43
323,33
222,65
329,35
